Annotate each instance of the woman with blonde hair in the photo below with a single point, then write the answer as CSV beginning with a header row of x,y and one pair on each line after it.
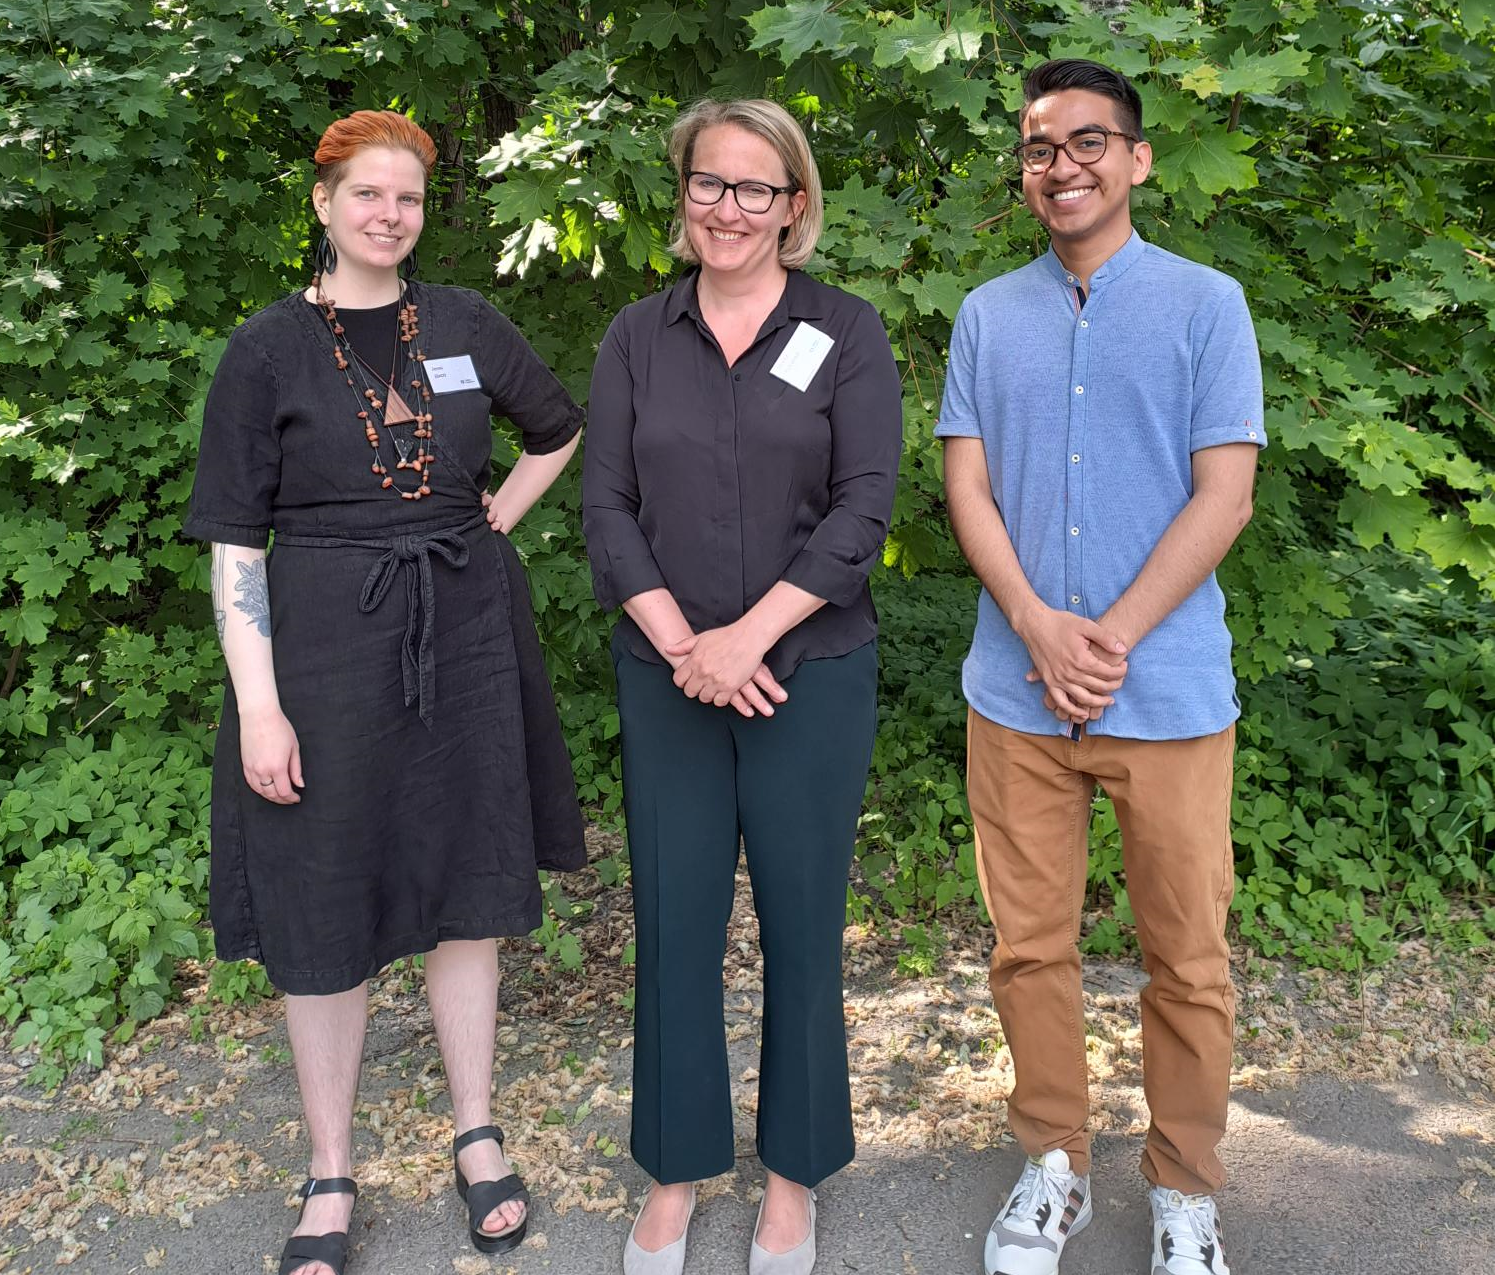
x,y
389,772
744,437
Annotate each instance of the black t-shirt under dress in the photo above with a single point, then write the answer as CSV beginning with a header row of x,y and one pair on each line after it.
x,y
406,657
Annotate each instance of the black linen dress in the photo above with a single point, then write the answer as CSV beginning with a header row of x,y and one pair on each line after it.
x,y
406,657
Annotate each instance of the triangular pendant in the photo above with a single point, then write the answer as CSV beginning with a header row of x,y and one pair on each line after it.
x,y
395,411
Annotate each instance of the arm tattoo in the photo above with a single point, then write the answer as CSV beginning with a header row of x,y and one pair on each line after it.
x,y
215,579
254,584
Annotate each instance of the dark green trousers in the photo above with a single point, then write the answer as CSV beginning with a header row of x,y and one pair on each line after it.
x,y
696,780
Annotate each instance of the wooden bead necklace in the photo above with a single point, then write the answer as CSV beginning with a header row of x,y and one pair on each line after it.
x,y
385,406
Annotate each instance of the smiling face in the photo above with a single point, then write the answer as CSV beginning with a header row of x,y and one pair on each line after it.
x,y
1083,205
723,236
375,213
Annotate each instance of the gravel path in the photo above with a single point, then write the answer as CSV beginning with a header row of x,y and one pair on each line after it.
x,y
1362,1127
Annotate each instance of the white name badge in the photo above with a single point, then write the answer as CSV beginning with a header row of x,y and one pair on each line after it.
x,y
802,357
449,375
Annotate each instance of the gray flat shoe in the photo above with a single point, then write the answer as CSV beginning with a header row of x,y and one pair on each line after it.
x,y
797,1261
670,1260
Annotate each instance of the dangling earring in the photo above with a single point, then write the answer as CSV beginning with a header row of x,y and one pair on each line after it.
x,y
325,258
409,266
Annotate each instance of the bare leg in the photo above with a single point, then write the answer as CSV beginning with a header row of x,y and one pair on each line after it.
x,y
664,1216
786,1215
462,984
327,1042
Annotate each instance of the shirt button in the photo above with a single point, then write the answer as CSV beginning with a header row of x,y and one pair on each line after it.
x,y
1074,531
737,376
1069,278
1252,434
1075,599
1079,389
1075,459
1084,323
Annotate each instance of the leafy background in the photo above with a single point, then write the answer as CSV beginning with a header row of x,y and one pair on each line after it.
x,y
1338,158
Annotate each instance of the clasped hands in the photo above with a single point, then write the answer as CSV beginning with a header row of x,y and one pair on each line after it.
x,y
1080,663
725,667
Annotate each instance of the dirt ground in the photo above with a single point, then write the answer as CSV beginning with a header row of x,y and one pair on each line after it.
x,y
1363,1123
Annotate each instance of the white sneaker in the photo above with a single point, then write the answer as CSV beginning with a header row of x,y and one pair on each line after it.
x,y
1186,1237
1046,1207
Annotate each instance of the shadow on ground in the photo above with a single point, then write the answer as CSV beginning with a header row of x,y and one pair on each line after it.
x,y
1326,1179
1348,1155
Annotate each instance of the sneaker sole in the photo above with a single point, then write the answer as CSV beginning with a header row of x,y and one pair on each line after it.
x,y
1082,1220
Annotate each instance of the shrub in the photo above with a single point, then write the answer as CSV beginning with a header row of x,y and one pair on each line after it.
x,y
102,846
154,173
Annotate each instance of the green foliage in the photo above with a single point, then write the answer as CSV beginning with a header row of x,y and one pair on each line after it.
x,y
1388,815
232,982
102,867
916,847
1338,158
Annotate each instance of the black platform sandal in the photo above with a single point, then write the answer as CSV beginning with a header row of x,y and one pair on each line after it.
x,y
483,1197
332,1248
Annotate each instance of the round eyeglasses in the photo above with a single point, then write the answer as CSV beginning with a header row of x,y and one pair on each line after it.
x,y
1084,147
751,197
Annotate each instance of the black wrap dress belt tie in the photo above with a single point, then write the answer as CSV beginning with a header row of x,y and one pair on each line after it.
x,y
413,553
418,823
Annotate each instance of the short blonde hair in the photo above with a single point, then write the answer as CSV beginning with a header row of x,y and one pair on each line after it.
x,y
779,129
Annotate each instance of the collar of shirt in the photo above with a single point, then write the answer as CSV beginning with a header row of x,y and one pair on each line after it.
x,y
801,299
1116,265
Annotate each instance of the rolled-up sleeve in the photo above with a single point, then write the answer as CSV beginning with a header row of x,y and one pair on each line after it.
x,y
523,387
623,565
866,426
238,460
1228,404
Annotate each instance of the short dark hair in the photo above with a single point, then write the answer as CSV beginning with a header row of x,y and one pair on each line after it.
x,y
1080,73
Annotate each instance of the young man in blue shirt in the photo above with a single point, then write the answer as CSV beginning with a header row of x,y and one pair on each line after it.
x,y
1102,417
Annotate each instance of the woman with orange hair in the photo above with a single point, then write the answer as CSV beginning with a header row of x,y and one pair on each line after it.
x,y
390,772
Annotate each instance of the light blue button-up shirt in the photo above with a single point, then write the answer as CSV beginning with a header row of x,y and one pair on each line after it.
x,y
1090,415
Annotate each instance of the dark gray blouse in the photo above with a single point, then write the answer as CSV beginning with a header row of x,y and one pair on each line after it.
x,y
718,482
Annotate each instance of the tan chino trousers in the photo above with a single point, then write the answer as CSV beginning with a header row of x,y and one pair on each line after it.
x,y
1030,800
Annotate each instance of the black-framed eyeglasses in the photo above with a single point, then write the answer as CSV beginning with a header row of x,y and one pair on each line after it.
x,y
1084,147
751,197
